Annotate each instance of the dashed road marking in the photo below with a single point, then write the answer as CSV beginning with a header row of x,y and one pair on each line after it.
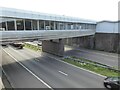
x,y
63,73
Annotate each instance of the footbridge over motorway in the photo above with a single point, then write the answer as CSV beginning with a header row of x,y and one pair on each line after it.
x,y
21,25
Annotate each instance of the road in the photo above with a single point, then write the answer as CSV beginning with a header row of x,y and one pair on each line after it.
x,y
110,59
55,73
18,76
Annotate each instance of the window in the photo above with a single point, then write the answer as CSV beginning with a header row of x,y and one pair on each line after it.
x,y
47,25
28,25
20,24
2,24
41,25
34,25
7,24
61,26
11,25
52,25
69,26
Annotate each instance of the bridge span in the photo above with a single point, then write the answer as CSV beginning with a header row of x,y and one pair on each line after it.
x,y
21,25
12,36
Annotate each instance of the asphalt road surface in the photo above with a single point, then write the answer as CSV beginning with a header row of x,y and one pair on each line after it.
x,y
53,72
17,75
110,59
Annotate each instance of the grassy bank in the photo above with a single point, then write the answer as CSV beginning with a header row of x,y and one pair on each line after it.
x,y
91,67
32,47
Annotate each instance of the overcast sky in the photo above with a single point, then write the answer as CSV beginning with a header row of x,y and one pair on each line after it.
x,y
86,9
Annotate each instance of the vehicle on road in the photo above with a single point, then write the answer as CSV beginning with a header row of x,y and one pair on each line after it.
x,y
17,46
4,45
112,83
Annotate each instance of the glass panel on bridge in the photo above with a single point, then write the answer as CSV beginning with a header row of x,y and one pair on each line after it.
x,y
34,25
2,24
41,25
56,26
20,24
11,24
28,25
52,25
47,25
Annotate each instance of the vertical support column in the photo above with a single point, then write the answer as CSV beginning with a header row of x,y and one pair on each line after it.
x,y
50,25
24,23
6,26
54,25
38,25
44,26
15,24
55,47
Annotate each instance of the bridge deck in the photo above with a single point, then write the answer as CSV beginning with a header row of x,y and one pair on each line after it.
x,y
42,34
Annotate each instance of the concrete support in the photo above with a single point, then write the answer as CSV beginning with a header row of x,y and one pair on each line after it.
x,y
44,26
24,23
38,25
50,24
54,26
55,47
84,42
15,25
107,42
6,26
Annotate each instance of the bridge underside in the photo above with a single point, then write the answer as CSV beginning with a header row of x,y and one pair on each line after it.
x,y
52,40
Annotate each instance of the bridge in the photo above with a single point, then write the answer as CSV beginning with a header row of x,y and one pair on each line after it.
x,y
21,25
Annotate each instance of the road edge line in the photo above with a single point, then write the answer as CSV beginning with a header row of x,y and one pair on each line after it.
x,y
7,78
29,70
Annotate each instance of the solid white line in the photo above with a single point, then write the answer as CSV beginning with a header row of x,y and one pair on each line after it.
x,y
29,70
63,73
8,78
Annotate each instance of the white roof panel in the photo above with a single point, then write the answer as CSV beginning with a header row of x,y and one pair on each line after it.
x,y
17,13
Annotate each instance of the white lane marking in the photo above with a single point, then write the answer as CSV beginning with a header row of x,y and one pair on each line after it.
x,y
8,79
77,67
63,73
29,70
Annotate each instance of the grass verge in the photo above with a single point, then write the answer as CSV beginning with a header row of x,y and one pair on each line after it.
x,y
33,47
96,69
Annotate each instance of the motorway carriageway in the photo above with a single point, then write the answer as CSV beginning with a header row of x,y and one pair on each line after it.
x,y
25,71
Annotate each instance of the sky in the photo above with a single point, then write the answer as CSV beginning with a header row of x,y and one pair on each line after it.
x,y
97,10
